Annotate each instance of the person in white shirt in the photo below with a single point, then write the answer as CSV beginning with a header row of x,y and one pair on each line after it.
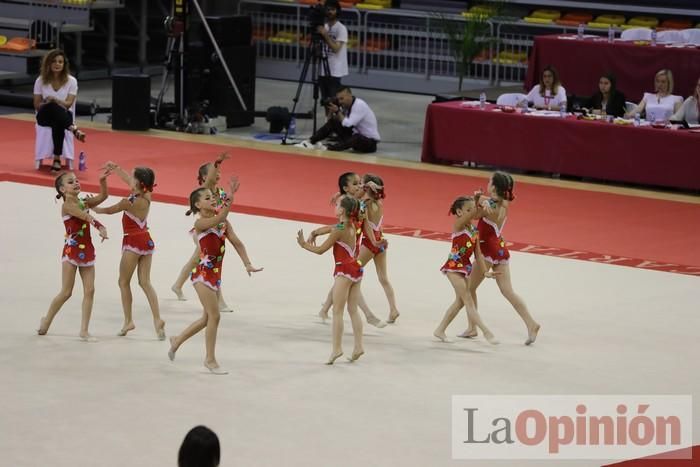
x,y
354,123
335,38
549,94
690,110
662,104
55,91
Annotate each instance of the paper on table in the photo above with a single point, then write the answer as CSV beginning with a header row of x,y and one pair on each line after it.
x,y
544,113
470,103
573,37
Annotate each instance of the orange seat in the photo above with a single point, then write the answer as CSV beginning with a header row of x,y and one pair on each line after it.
x,y
676,24
19,44
579,17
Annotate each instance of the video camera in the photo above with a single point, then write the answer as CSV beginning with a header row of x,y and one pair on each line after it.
x,y
317,16
330,100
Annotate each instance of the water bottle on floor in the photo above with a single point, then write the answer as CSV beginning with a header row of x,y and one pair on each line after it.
x,y
482,100
580,31
82,162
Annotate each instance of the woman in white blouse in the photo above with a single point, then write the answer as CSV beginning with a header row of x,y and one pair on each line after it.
x,y
549,94
690,110
55,91
662,104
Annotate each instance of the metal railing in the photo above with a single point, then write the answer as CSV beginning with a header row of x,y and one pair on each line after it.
x,y
401,41
44,21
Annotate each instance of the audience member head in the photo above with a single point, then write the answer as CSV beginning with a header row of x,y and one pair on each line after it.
x,y
663,82
200,448
549,80
54,65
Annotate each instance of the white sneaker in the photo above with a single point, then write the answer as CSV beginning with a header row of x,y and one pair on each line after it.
x,y
320,146
306,144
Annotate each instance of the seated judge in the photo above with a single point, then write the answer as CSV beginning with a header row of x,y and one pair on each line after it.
x,y
549,94
662,104
608,100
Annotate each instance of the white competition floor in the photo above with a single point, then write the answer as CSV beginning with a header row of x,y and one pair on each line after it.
x,y
121,402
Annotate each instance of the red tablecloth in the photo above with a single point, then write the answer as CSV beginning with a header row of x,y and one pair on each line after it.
x,y
600,150
581,63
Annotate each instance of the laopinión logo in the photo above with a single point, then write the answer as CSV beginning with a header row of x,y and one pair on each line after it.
x,y
571,427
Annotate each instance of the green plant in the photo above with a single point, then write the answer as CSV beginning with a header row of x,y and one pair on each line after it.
x,y
469,35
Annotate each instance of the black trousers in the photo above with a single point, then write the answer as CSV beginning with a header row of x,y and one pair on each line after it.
x,y
346,138
59,119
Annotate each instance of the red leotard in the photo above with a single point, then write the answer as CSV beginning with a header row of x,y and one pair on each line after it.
x,y
137,239
346,263
463,244
78,249
491,242
377,231
211,257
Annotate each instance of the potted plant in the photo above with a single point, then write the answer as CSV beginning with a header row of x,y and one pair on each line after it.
x,y
469,35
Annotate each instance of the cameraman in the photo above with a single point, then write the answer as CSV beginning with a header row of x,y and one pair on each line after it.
x,y
335,38
354,123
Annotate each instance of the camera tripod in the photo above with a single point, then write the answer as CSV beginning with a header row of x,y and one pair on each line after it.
x,y
176,26
316,57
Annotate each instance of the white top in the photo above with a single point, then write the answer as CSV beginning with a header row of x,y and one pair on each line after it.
x,y
660,108
538,100
362,120
688,111
338,61
46,90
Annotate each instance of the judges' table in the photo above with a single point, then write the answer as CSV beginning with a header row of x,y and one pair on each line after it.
x,y
595,149
580,64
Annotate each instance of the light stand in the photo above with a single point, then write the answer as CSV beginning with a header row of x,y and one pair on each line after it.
x,y
177,26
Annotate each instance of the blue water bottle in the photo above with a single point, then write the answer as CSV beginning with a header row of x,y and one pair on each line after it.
x,y
482,100
292,126
82,161
653,37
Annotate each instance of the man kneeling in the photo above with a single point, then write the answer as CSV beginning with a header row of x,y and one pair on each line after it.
x,y
354,123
